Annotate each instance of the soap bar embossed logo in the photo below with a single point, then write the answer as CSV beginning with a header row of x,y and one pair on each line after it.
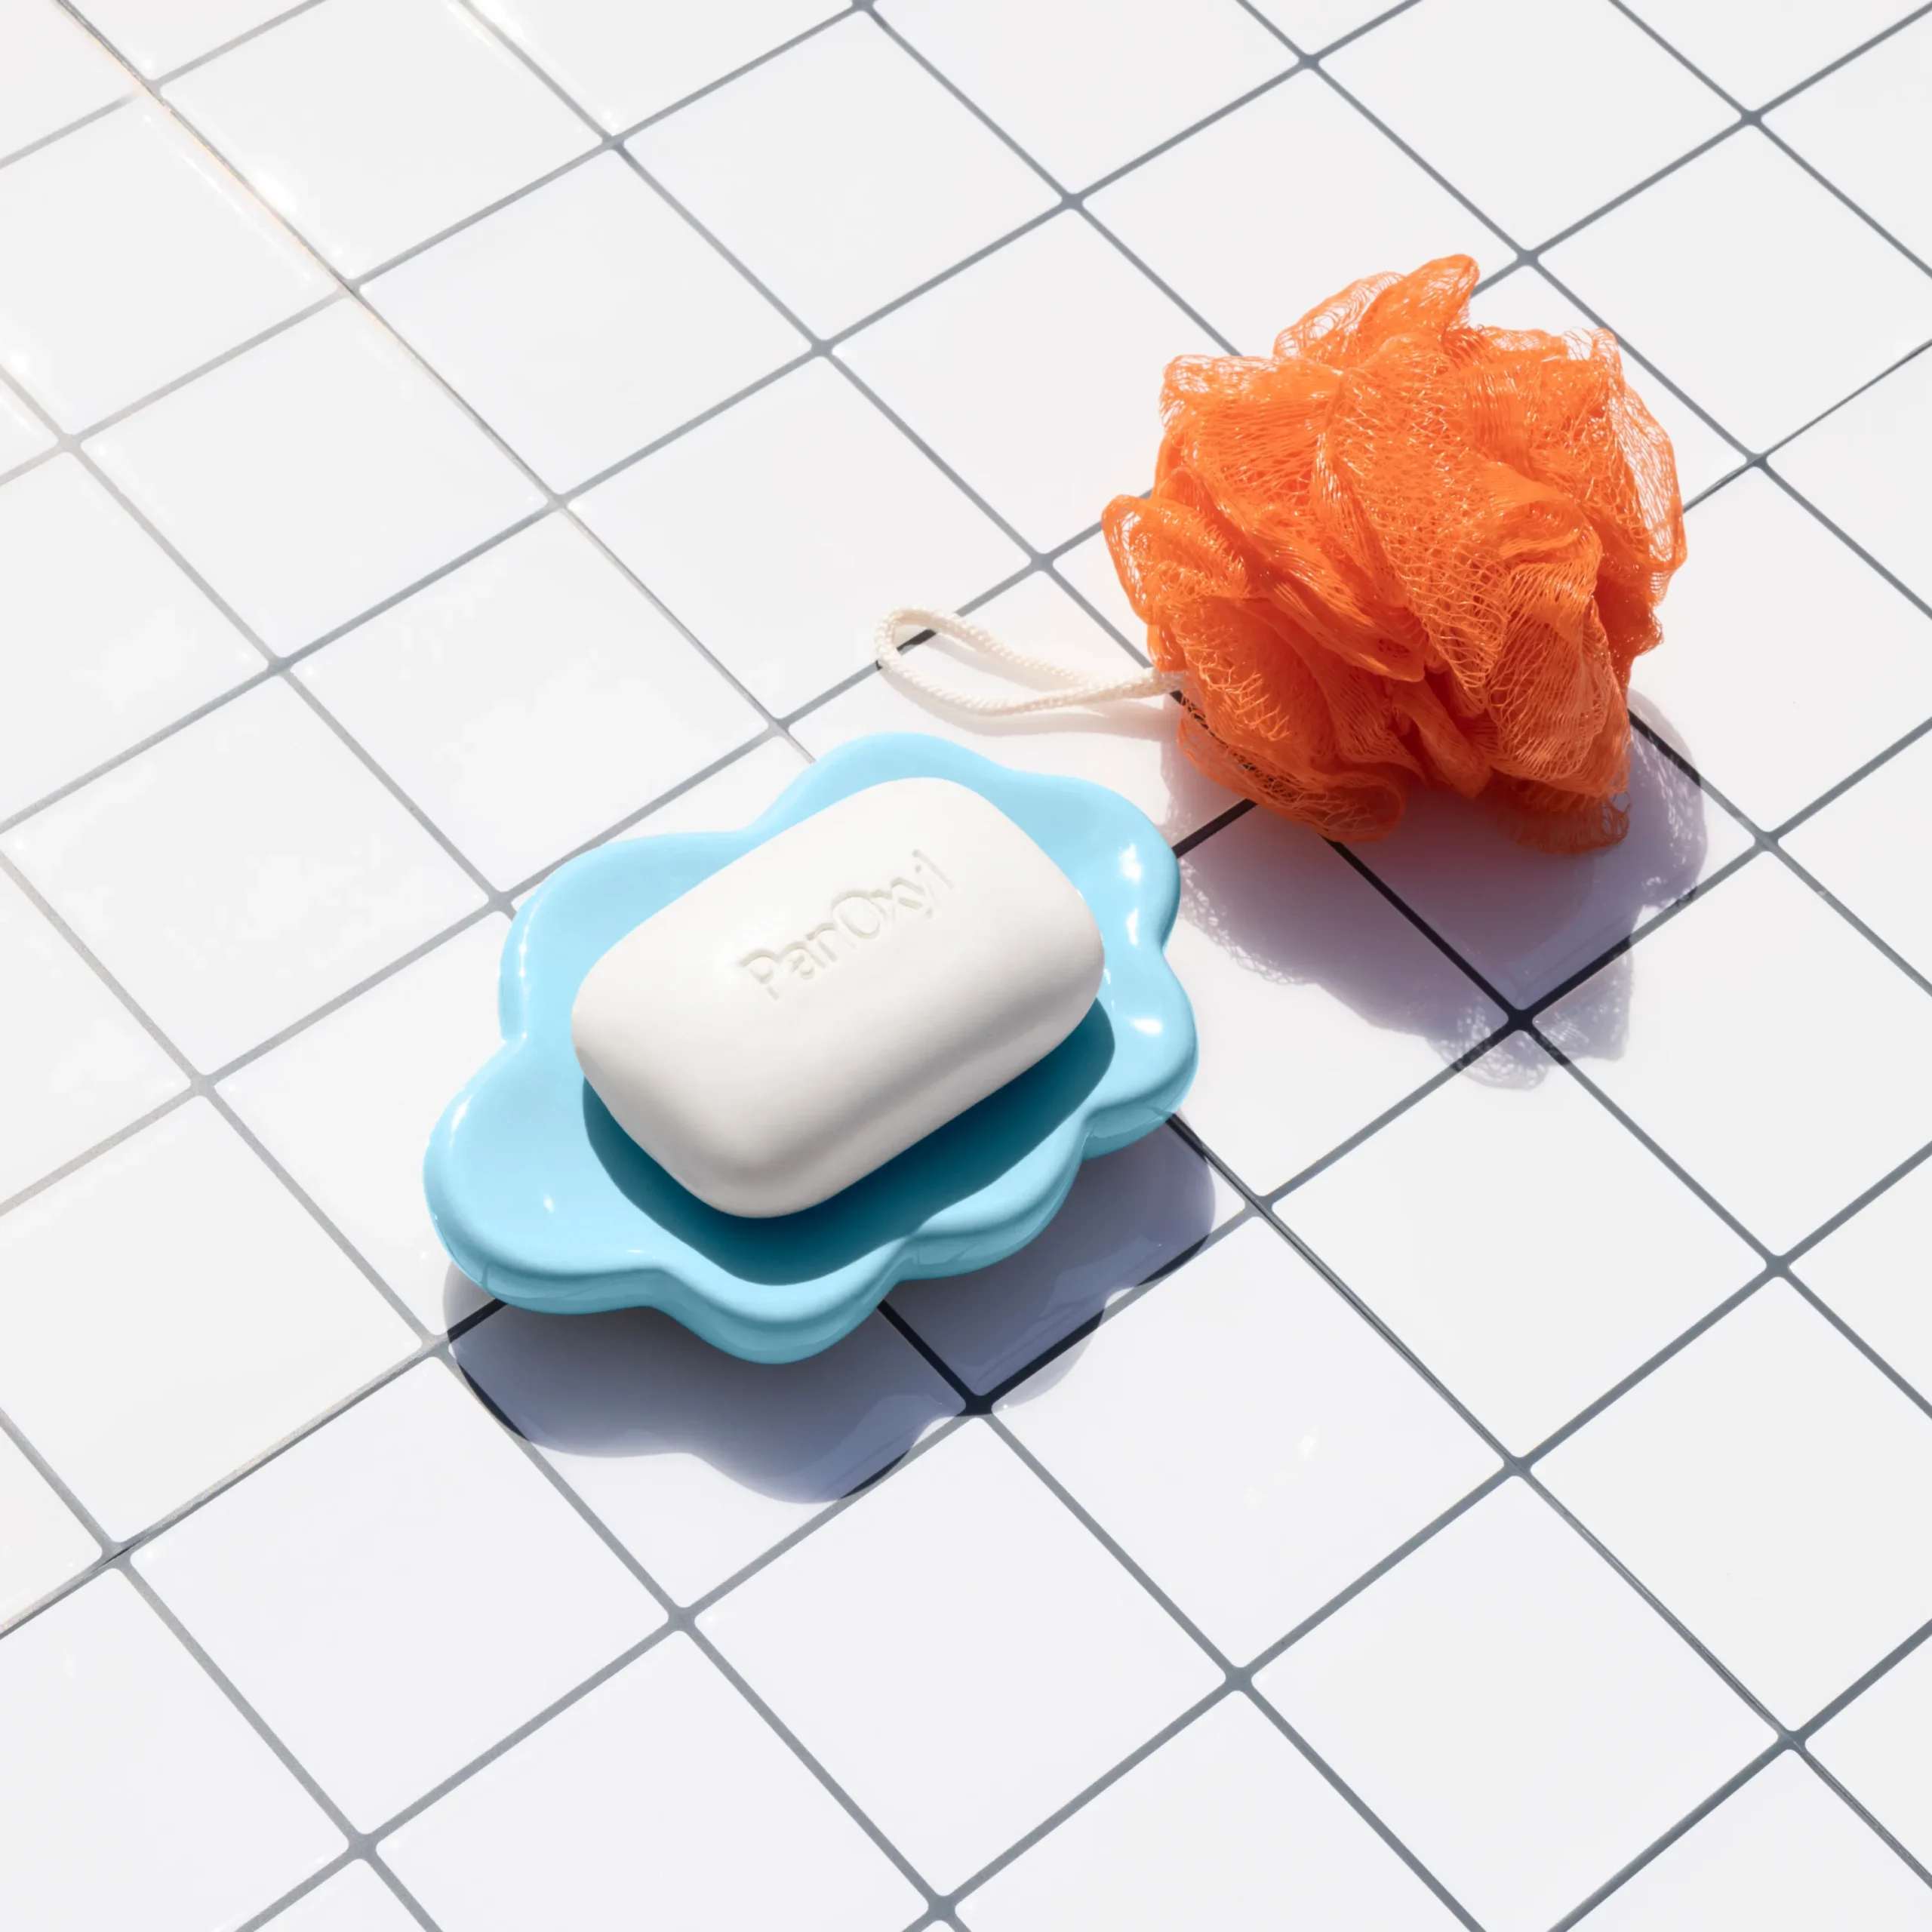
x,y
856,919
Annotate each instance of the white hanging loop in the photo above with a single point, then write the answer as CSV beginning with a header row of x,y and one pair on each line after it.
x,y
1068,688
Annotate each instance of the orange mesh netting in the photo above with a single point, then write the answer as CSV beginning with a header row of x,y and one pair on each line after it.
x,y
1404,549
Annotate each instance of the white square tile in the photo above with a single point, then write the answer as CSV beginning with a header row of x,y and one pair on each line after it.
x,y
1781,1058
1792,1551
103,639
372,125
1130,746
661,1798
132,1792
22,433
78,1065
959,1654
1863,128
1785,42
1728,276
1193,214
314,476
1864,848
1863,466
1532,1307
585,320
848,517
1252,1483
1319,1005
1783,1854
42,1541
127,216
1526,920
397,1593
354,1900
1876,1272
169,1313
1516,1714
157,36
56,71
1084,86
1475,89
1088,570
1525,298
1036,375
1315,24
1876,1747
1127,1216
241,873
1226,1825
1734,686
841,174
539,658
348,1106
697,1462
621,62
744,790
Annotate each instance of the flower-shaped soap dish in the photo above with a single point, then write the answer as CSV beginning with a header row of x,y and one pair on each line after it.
x,y
543,1199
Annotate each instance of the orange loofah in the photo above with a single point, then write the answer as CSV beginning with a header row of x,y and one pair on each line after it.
x,y
1405,549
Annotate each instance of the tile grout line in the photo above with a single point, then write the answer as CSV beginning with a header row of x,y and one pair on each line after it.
x,y
1032,553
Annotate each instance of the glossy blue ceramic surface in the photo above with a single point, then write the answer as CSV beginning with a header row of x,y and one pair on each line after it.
x,y
541,1199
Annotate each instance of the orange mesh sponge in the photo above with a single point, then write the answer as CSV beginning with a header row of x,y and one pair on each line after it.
x,y
1405,549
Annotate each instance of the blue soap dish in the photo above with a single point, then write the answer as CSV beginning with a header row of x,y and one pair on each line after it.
x,y
541,1199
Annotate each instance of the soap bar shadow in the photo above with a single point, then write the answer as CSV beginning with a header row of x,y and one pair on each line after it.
x,y
971,1152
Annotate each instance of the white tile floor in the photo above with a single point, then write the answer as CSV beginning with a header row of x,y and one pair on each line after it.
x,y
1475,1472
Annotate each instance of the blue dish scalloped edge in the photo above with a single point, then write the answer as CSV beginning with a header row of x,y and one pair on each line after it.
x,y
544,1200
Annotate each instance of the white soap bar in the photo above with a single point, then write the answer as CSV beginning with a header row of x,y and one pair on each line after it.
x,y
811,1009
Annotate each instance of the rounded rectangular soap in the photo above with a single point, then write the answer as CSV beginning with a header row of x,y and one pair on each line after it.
x,y
835,994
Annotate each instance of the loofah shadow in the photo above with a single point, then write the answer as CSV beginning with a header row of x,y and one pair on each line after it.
x,y
1291,909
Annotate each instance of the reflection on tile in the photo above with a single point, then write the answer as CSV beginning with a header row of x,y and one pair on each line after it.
x,y
321,880
449,692
1193,214
1056,1662
1876,1272
158,36
841,174
168,1312
697,1462
103,637
82,1068
1319,1006
1527,920
1128,1215
1514,1711
372,125
55,72
1728,274
1736,1059
1529,1303
125,1768
849,520
347,1107
1782,1855
1104,81
1253,1483
1056,341
1791,1551
661,1798
585,321
42,1541
398,1592
129,214
1462,85
1227,1825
